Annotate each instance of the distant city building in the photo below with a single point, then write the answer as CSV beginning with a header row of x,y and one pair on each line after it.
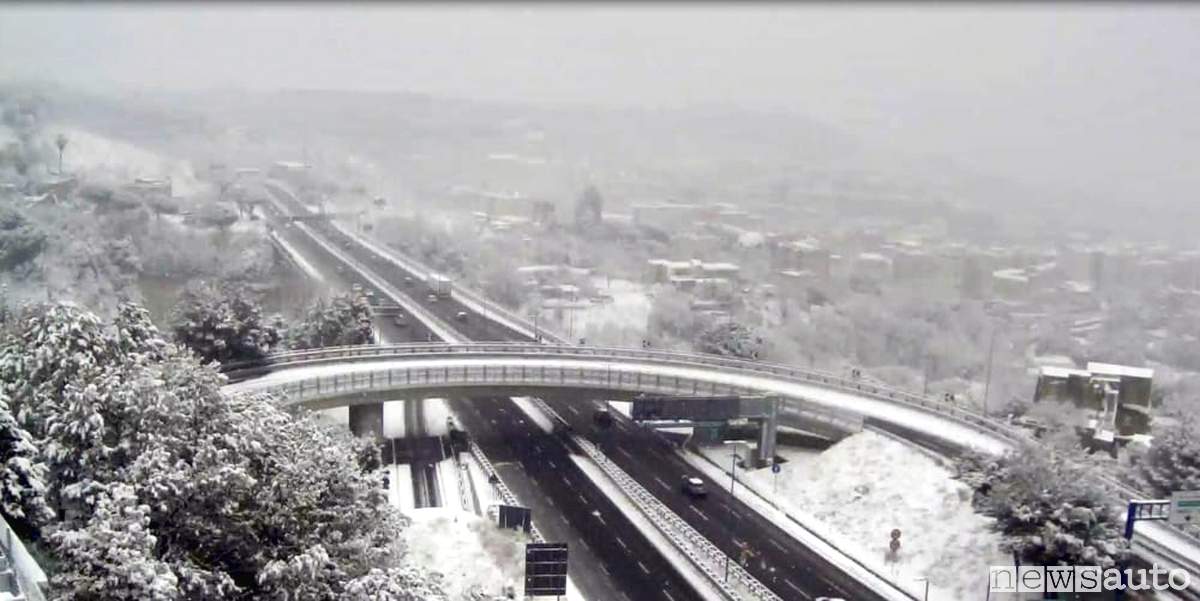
x,y
802,255
872,266
1118,396
663,270
666,216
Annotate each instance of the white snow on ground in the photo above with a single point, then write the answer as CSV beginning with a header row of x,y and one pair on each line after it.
x,y
402,481
531,411
630,307
337,415
868,484
436,413
393,419
307,267
447,472
468,550
479,482
623,407
97,156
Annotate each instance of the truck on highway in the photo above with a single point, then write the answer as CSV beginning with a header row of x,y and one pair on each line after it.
x,y
439,285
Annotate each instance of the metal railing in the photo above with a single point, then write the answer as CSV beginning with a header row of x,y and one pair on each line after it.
x,y
699,550
467,296
871,390
608,378
500,486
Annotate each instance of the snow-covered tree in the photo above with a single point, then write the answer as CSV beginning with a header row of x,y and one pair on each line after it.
x,y
1172,463
1046,507
223,324
113,556
730,339
165,488
344,319
20,240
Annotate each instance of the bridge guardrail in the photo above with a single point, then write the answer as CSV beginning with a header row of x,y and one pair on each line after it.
x,y
800,375
829,380
464,293
505,492
691,543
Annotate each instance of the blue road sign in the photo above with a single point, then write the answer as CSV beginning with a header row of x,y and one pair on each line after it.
x,y
775,469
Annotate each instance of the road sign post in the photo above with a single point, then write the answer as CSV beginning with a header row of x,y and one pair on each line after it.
x,y
775,469
545,569
1185,508
1139,510
514,517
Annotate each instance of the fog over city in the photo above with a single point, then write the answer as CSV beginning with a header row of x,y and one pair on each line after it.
x,y
599,301
1094,100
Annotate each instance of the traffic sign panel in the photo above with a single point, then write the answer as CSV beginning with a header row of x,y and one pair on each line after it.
x,y
545,569
1185,507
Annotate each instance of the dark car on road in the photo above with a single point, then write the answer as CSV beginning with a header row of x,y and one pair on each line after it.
x,y
602,418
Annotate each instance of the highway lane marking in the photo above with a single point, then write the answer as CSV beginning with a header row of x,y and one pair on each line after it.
x,y
697,512
667,595
643,567
622,543
550,501
602,520
572,409
551,462
797,589
625,453
778,546
663,484
605,568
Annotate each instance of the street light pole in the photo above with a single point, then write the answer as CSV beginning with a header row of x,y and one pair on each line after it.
x,y
732,481
987,383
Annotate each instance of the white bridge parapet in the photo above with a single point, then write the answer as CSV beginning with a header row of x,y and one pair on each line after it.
x,y
310,376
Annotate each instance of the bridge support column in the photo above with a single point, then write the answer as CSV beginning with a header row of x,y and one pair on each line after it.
x,y
367,420
767,431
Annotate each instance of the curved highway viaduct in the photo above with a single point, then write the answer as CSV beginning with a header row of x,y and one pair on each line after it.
x,y
347,375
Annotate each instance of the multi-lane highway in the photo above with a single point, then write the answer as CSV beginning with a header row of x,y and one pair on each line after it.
x,y
776,559
783,564
564,514
566,506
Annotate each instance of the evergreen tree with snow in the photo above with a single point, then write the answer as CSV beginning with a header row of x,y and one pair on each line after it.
x,y
222,323
343,320
1046,506
122,453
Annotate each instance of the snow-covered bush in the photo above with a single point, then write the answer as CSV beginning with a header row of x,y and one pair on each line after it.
x,y
120,451
344,319
1046,506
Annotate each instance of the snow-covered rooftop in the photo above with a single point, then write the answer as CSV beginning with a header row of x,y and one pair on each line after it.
x,y
1120,370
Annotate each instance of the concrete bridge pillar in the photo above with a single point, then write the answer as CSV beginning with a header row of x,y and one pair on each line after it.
x,y
767,431
367,419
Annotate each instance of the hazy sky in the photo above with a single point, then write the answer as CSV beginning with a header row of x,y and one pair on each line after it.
x,y
1105,96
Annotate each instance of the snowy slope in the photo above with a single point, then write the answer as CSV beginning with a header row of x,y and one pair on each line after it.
x,y
868,484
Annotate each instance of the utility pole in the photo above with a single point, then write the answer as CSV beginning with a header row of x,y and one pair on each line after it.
x,y
987,384
732,481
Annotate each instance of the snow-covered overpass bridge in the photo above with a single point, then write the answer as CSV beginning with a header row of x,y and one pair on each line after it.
x,y
346,375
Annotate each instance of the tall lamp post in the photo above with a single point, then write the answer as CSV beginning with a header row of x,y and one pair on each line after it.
x,y
734,457
987,382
